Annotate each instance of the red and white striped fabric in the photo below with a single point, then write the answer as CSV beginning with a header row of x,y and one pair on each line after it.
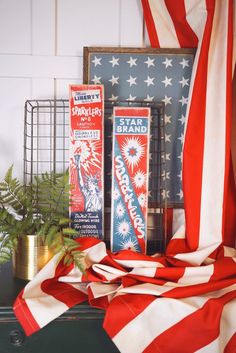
x,y
184,301
158,301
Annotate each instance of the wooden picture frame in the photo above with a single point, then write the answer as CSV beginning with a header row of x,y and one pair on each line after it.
x,y
149,75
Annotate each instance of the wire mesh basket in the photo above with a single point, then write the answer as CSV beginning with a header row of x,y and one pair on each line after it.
x,y
46,149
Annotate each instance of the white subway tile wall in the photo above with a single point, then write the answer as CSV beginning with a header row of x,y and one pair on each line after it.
x,y
41,53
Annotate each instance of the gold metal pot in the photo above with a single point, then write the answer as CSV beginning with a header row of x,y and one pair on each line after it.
x,y
30,256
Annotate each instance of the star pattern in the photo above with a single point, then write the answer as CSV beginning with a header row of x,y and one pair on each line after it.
x,y
151,78
181,138
167,100
149,62
114,80
149,81
131,98
132,62
167,119
167,138
96,61
182,119
167,62
113,98
96,80
183,100
167,81
132,81
184,63
180,194
148,98
184,81
114,61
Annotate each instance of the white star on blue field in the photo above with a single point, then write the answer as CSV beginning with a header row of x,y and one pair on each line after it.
x,y
151,77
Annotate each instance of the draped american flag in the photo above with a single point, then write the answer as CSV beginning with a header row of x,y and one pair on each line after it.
x,y
183,301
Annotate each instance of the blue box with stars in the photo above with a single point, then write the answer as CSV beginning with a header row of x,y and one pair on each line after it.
x,y
150,75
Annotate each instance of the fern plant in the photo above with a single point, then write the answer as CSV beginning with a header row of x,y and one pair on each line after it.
x,y
39,208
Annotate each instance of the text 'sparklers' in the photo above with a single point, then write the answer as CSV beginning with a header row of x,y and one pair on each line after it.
x,y
130,178
86,159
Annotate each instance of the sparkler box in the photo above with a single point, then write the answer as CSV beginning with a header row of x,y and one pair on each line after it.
x,y
86,159
130,162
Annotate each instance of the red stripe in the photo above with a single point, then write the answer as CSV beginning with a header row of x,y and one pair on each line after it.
x,y
194,331
123,309
223,268
100,303
63,292
24,315
230,347
128,255
218,253
132,112
229,218
87,242
194,140
177,246
172,274
186,37
150,24
168,223
198,289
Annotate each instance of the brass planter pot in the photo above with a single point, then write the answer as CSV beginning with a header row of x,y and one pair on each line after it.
x,y
30,256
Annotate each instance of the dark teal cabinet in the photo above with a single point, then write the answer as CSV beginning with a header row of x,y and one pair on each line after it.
x,y
79,330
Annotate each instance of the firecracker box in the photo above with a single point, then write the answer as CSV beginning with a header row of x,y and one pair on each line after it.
x,y
86,159
130,163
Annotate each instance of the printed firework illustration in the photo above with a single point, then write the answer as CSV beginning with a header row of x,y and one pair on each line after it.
x,y
130,178
86,159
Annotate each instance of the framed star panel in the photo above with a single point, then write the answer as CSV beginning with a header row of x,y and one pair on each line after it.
x,y
150,75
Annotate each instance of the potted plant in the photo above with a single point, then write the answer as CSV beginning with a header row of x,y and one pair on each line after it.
x,y
36,215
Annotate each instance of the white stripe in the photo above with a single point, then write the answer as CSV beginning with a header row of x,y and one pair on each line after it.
x,y
197,257
108,272
196,16
180,233
227,324
154,320
82,287
208,261
43,307
139,263
178,219
164,24
75,275
102,289
157,318
92,255
95,254
148,271
214,140
149,288
227,330
229,251
196,13
195,275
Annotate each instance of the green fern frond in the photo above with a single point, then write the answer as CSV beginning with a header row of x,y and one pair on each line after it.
x,y
5,248
38,208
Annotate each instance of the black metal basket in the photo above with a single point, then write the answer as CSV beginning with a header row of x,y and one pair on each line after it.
x,y
46,148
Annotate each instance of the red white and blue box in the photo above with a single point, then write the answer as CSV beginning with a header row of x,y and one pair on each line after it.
x,y
86,159
130,162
